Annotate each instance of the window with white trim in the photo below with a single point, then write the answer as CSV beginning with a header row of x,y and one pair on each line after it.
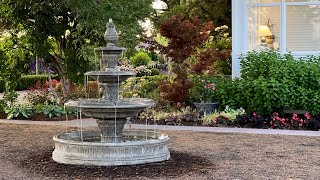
x,y
294,25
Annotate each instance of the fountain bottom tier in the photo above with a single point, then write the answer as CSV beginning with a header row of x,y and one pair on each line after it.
x,y
86,148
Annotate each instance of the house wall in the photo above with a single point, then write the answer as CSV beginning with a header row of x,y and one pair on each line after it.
x,y
239,35
297,32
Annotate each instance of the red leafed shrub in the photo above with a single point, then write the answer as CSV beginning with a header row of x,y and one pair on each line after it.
x,y
207,58
177,92
54,83
185,37
39,94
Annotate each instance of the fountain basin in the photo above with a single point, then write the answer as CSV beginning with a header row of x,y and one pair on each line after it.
x,y
138,147
103,109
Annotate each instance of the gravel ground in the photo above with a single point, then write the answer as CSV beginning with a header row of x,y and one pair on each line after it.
x,y
25,153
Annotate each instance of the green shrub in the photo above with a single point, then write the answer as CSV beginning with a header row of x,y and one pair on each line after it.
x,y
155,71
200,92
272,82
27,81
140,59
18,111
50,110
2,106
144,87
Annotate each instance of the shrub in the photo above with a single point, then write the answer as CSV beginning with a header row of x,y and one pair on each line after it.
x,y
252,121
142,71
2,106
185,36
28,81
227,117
140,59
90,91
39,94
144,87
18,111
50,110
313,124
155,71
273,82
203,89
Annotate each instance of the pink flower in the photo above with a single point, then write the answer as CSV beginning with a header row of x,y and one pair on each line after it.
x,y
307,115
254,113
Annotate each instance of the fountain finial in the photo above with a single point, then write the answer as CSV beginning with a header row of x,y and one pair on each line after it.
x,y
111,35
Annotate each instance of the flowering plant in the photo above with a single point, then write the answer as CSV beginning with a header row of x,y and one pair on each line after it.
x,y
294,122
203,89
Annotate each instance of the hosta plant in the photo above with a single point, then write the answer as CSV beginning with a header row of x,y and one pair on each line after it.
x,y
18,111
50,110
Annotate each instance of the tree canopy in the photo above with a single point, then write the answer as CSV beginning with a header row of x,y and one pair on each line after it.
x,y
64,32
217,11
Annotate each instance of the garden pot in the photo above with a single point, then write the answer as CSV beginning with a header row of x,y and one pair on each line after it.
x,y
206,108
294,111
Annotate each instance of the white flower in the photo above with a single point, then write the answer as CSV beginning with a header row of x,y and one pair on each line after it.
x,y
224,27
225,34
217,29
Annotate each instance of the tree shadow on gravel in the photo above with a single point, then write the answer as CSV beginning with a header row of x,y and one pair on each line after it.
x,y
179,164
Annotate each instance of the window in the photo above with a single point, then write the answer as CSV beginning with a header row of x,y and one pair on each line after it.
x,y
303,27
294,25
263,16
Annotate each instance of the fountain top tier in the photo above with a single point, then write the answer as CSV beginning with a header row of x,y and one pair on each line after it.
x,y
111,53
109,77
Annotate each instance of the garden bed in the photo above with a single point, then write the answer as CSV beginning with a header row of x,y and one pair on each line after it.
x,y
42,117
26,154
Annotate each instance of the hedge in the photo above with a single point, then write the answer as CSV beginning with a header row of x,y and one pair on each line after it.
x,y
27,81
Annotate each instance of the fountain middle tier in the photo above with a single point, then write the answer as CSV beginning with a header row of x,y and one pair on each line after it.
x,y
104,109
110,76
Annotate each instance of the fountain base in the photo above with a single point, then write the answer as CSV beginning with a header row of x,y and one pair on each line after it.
x,y
138,147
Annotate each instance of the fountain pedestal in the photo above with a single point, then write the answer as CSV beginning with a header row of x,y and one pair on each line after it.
x,y
111,130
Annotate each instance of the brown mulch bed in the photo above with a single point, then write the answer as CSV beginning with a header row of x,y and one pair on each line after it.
x,y
26,154
42,117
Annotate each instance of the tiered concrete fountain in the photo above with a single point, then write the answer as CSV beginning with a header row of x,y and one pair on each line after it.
x,y
111,146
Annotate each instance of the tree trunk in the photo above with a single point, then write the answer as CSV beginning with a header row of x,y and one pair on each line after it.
x,y
65,88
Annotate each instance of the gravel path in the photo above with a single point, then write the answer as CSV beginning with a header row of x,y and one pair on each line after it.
x,y
26,154
92,123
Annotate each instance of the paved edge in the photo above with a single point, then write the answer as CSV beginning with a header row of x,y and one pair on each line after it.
x,y
92,123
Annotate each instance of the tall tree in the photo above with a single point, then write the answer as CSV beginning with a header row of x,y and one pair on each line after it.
x,y
62,31
217,11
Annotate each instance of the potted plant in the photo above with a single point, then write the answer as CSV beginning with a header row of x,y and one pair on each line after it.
x,y
202,94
